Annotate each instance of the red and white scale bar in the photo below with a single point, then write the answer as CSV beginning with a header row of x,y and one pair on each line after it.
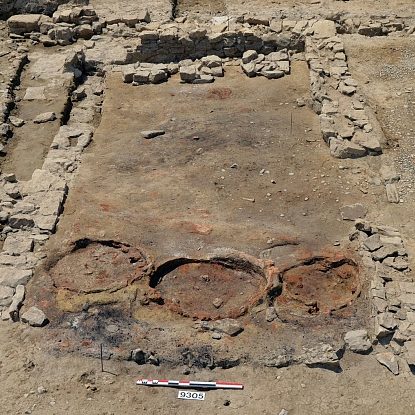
x,y
189,384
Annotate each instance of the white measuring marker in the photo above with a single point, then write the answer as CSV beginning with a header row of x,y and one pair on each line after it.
x,y
193,384
196,396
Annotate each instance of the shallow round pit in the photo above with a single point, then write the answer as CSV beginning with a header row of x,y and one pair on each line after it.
x,y
208,290
96,266
319,285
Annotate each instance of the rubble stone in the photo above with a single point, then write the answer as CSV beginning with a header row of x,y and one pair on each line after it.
x,y
344,149
17,244
392,193
372,243
357,341
152,133
187,73
12,277
16,122
410,352
45,117
324,29
249,56
388,360
249,69
6,294
367,141
24,23
322,356
16,303
353,212
228,326
34,317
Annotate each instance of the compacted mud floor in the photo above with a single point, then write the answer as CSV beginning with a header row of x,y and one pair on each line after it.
x,y
236,156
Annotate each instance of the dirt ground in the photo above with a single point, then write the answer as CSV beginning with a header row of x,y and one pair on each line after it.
x,y
76,385
241,166
386,70
230,172
161,10
309,8
186,177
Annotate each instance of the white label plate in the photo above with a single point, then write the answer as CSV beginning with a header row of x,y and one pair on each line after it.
x,y
195,396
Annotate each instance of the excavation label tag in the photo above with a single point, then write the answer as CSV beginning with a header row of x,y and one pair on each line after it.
x,y
195,396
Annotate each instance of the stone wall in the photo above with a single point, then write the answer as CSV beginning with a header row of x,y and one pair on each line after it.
x,y
171,45
392,293
10,7
31,209
345,123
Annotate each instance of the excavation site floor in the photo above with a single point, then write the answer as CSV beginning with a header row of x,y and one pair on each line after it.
x,y
218,215
210,191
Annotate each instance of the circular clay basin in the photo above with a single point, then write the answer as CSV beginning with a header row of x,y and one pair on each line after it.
x,y
99,266
209,290
320,285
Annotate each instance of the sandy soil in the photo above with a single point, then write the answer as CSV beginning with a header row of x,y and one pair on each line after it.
x,y
70,381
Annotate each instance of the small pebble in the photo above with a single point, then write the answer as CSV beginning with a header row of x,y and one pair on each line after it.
x,y
41,390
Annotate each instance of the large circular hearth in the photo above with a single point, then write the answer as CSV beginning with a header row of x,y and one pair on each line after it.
x,y
209,290
318,285
96,266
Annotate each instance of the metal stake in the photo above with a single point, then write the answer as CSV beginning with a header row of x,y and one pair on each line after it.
x,y
291,124
102,360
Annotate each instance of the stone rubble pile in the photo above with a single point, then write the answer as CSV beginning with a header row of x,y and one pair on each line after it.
x,y
147,73
198,71
344,120
205,70
375,26
30,209
63,28
33,6
392,293
321,355
272,66
345,23
228,36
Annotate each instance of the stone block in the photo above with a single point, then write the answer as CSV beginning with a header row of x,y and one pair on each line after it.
x,y
345,149
24,23
34,317
357,341
12,277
